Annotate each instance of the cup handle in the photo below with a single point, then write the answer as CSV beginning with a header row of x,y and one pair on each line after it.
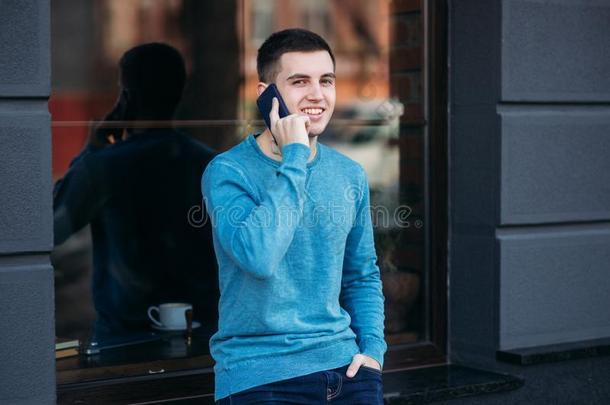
x,y
150,311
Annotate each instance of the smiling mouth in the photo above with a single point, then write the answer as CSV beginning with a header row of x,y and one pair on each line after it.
x,y
313,111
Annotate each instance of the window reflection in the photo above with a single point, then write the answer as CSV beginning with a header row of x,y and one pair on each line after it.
x,y
133,185
219,41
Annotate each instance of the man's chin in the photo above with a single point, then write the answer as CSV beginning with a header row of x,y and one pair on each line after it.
x,y
316,130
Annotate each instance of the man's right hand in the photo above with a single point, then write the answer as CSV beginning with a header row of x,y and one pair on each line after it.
x,y
293,128
103,136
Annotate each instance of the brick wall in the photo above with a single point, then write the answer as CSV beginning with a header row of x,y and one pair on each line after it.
x,y
406,84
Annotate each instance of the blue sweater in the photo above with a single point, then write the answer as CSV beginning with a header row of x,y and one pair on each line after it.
x,y
300,287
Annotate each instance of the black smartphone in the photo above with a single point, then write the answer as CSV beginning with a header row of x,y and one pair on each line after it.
x,y
265,101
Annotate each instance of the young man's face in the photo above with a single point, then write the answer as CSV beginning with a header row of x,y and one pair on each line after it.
x,y
306,81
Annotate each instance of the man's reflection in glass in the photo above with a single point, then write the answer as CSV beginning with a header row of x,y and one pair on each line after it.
x,y
136,187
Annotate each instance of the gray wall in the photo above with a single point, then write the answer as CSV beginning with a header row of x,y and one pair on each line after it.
x,y
529,174
27,363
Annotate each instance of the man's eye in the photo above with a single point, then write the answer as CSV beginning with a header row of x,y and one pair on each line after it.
x,y
327,82
299,82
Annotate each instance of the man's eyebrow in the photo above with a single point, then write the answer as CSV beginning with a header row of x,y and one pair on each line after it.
x,y
298,76
304,76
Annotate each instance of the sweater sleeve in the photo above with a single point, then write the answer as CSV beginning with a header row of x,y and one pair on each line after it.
x,y
361,289
256,234
77,197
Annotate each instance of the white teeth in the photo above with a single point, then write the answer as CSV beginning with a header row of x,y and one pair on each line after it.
x,y
312,111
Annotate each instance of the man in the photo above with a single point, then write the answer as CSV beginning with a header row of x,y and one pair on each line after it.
x,y
301,307
136,187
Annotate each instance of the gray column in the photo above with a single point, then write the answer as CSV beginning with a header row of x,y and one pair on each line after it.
x,y
27,360
529,189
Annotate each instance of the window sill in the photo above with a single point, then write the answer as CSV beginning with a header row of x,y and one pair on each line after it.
x,y
422,385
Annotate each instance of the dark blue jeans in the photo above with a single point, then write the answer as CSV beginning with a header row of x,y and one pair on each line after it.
x,y
323,387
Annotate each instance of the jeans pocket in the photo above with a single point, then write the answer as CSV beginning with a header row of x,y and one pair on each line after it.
x,y
371,369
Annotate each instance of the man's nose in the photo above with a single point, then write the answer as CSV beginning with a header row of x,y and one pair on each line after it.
x,y
315,92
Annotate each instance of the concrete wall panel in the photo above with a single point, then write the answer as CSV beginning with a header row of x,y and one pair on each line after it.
x,y
554,285
25,48
555,50
555,164
25,169
27,374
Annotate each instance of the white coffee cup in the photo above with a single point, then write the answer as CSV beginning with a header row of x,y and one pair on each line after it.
x,y
171,315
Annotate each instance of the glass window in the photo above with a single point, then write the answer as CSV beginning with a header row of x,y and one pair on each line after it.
x,y
372,124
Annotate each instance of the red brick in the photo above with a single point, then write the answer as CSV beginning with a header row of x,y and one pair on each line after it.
x,y
412,147
413,114
400,87
406,59
406,30
405,6
399,30
406,87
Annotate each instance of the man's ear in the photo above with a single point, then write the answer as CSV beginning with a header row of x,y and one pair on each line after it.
x,y
260,87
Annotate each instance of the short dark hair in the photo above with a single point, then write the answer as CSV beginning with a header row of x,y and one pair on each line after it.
x,y
156,72
281,42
